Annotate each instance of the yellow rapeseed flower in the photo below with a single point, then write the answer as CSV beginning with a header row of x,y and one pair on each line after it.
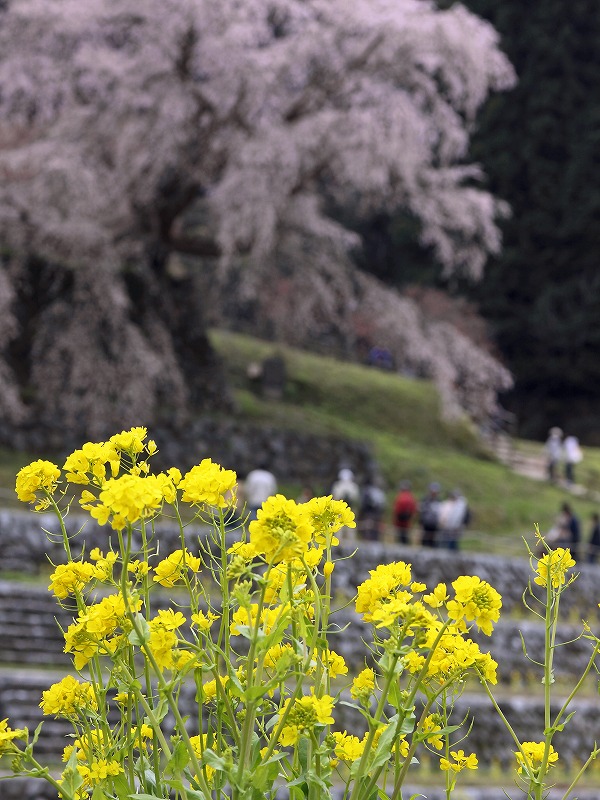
x,y
68,579
532,755
127,499
475,600
437,597
430,729
36,481
328,516
162,644
305,715
98,771
67,697
88,465
282,530
131,441
8,735
554,565
384,584
363,685
208,484
168,619
335,664
204,621
348,748
172,569
210,689
459,761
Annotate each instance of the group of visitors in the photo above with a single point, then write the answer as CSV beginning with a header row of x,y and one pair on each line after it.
x,y
368,502
434,521
441,520
562,451
567,533
438,521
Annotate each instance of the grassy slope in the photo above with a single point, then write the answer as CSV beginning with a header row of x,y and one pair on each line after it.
x,y
400,418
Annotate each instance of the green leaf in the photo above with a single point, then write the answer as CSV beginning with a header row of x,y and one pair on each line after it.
x,y
121,787
99,793
143,796
303,750
387,739
263,777
178,761
144,631
185,791
211,759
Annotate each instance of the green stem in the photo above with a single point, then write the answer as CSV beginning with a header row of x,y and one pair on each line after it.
x,y
372,728
578,685
63,529
579,775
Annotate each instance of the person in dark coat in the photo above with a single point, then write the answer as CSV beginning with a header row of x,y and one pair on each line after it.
x,y
429,516
594,540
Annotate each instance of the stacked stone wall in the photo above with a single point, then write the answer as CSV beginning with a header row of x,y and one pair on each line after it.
x,y
31,638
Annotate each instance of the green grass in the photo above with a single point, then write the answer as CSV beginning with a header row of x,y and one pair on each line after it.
x,y
400,418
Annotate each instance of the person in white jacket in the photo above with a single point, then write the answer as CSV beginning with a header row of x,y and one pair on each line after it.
x,y
453,517
572,454
260,484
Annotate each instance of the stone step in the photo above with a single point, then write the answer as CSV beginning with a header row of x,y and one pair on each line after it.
x,y
21,692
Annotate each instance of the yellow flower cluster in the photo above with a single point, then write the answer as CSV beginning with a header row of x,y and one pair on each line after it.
x,y
8,735
172,570
348,748
453,655
305,714
71,578
531,755
554,566
36,481
208,483
385,584
68,697
99,629
128,499
282,530
132,441
363,685
388,596
327,517
89,465
475,600
163,639
458,761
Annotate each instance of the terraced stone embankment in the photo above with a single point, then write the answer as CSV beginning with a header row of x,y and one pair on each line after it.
x,y
32,657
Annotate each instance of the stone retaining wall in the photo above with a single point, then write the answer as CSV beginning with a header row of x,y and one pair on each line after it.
x,y
30,635
24,547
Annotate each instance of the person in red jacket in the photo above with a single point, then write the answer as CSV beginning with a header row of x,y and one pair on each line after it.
x,y
405,508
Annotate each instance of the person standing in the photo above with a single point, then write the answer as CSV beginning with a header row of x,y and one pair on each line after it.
x,y
372,506
594,540
346,489
260,484
404,511
553,448
452,520
429,516
573,455
572,530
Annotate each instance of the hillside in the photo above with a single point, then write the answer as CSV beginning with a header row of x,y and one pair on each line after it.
x,y
400,418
